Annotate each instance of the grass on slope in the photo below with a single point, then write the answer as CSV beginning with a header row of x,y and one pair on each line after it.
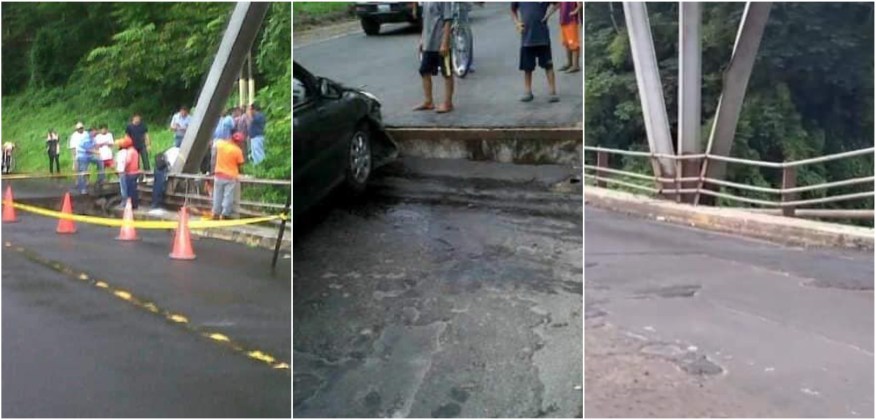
x,y
308,14
27,118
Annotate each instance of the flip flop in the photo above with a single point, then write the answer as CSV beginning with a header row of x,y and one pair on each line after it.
x,y
444,109
424,107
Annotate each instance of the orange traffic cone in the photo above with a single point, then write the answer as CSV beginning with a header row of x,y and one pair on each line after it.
x,y
182,242
128,233
66,225
8,209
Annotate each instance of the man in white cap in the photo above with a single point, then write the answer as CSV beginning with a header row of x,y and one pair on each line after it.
x,y
73,143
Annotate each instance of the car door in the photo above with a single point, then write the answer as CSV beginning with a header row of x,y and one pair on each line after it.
x,y
305,140
339,113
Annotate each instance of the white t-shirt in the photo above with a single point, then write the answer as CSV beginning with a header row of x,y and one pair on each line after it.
x,y
121,159
75,138
105,143
171,155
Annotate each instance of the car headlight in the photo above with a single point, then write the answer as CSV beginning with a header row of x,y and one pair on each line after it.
x,y
371,96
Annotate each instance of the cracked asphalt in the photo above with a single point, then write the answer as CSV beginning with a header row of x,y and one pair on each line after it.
x,y
405,307
686,323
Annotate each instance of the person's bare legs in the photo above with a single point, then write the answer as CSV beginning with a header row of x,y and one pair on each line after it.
x,y
568,64
552,83
527,84
448,95
576,61
427,94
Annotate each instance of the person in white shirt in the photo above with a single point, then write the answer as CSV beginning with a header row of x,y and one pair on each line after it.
x,y
179,124
73,143
104,142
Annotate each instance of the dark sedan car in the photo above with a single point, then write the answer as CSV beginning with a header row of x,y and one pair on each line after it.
x,y
372,14
338,138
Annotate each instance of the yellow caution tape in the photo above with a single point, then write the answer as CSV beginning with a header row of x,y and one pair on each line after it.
x,y
145,224
43,176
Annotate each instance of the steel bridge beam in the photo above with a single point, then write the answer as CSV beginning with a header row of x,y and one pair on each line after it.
x,y
650,86
748,38
689,78
689,92
240,34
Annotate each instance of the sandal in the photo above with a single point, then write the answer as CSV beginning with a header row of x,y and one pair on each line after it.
x,y
424,107
444,109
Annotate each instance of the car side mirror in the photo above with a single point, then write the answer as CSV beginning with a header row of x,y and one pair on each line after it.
x,y
327,90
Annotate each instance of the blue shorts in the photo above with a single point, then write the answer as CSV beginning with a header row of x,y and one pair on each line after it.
x,y
432,62
540,53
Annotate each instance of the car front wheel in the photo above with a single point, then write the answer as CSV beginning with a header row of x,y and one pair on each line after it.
x,y
359,162
370,26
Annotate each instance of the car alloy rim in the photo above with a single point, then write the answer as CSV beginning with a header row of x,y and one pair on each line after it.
x,y
360,157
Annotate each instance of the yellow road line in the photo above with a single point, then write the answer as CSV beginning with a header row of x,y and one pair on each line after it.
x,y
176,318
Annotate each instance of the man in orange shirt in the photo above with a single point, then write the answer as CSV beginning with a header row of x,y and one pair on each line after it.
x,y
227,160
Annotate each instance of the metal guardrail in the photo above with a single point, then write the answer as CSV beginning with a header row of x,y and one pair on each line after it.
x,y
193,186
789,191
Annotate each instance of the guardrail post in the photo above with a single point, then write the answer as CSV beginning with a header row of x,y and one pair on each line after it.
x,y
690,168
789,180
237,198
601,162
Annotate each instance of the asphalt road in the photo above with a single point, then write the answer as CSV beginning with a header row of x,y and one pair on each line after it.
x,y
406,307
751,328
72,348
386,65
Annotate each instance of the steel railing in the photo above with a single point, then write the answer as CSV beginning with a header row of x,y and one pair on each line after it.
x,y
194,188
692,188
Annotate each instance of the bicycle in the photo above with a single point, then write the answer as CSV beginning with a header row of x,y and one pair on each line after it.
x,y
462,43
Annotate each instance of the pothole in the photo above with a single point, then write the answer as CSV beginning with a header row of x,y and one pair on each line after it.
x,y
690,362
700,365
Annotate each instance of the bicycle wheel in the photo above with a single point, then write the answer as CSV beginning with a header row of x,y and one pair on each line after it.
x,y
462,51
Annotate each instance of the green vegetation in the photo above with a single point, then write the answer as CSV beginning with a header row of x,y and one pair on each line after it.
x,y
811,92
103,62
311,13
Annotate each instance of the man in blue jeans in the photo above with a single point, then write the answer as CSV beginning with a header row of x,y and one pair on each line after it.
x,y
86,153
179,124
227,160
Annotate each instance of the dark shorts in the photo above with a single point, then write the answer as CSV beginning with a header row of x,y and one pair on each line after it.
x,y
432,62
540,53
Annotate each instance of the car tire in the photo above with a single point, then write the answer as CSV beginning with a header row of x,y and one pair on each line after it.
x,y
370,26
360,162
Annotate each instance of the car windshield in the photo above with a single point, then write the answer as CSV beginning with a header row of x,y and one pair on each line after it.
x,y
299,92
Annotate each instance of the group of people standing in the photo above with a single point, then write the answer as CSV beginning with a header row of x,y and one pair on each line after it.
x,y
94,146
237,127
531,21
250,123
